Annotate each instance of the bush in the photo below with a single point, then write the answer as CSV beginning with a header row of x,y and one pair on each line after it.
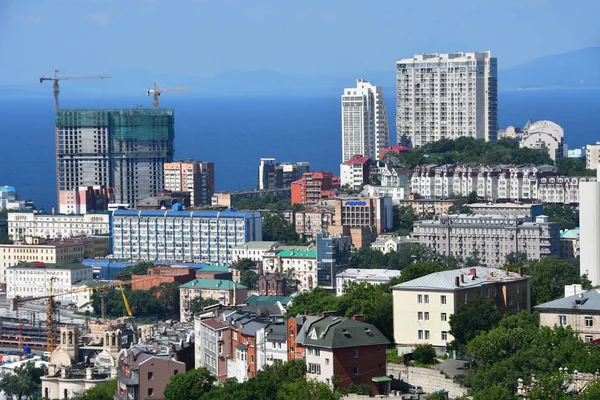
x,y
424,354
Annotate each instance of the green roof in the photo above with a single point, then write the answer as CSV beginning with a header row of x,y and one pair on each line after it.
x,y
214,268
216,284
267,300
570,234
297,254
382,379
338,332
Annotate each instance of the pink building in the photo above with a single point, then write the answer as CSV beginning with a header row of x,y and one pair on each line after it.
x,y
195,177
85,199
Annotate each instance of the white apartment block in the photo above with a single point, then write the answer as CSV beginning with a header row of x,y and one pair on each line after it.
x,y
354,173
592,156
33,279
271,345
298,262
589,230
357,275
423,306
193,236
254,250
491,237
446,96
56,226
546,136
365,128
497,182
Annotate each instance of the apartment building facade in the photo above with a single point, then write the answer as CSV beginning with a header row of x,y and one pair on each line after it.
x,y
354,172
194,236
274,175
313,221
446,96
313,188
56,226
225,292
51,252
592,156
489,237
195,177
85,199
33,279
365,128
423,306
581,312
295,262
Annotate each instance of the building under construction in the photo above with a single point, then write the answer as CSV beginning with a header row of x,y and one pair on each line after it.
x,y
124,149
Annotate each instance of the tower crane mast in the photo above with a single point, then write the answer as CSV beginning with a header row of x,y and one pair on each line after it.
x,y
57,78
157,92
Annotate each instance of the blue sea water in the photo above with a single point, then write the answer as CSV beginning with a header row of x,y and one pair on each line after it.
x,y
236,131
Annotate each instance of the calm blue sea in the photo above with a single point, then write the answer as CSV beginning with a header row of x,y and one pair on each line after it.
x,y
235,132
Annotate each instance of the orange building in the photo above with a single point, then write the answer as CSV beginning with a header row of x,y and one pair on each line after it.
x,y
313,188
164,274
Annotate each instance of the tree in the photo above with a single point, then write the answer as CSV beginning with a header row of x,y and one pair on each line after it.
x,y
140,268
415,271
354,388
403,219
197,305
494,392
460,209
472,198
569,166
25,382
5,239
277,228
424,354
191,385
516,257
248,277
566,216
168,297
439,395
480,315
102,391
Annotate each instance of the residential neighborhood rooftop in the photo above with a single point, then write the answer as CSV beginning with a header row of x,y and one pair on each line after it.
x,y
586,301
337,332
212,284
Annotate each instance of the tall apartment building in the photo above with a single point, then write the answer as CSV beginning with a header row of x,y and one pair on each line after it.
x,y
274,175
491,237
447,96
195,177
592,156
85,199
313,188
56,226
122,149
589,225
365,128
196,236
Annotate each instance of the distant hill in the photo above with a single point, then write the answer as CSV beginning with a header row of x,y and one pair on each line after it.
x,y
578,68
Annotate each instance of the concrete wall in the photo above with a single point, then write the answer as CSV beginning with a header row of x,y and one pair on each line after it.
x,y
429,379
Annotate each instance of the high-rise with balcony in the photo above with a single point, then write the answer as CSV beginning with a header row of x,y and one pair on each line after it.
x,y
446,96
365,128
195,177
122,149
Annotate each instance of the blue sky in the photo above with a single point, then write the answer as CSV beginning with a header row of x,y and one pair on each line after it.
x,y
206,37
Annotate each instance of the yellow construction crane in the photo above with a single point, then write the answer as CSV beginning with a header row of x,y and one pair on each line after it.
x,y
57,78
51,306
156,91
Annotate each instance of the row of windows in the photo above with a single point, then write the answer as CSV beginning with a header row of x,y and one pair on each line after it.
x,y
424,335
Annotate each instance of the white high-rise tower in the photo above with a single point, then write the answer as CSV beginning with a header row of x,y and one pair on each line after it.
x,y
589,229
446,96
365,128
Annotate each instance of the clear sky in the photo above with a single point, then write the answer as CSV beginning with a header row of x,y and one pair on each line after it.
x,y
205,37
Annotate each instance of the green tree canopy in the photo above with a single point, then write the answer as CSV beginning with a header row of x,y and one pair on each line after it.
x,y
403,218
480,315
565,215
140,268
415,271
277,228
193,384
102,391
570,166
424,354
24,383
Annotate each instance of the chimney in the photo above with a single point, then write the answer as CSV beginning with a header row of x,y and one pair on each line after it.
x,y
520,271
474,272
457,281
328,313
462,278
358,318
507,273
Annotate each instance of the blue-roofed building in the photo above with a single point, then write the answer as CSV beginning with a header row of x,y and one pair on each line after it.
x,y
186,236
106,268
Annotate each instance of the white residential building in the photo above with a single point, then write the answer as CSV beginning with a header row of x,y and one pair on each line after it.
x,y
546,136
446,96
254,250
592,156
56,226
194,236
390,243
365,127
33,279
271,345
297,262
589,230
423,306
396,193
357,275
354,173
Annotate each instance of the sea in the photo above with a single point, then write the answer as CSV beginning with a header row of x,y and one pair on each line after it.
x,y
236,131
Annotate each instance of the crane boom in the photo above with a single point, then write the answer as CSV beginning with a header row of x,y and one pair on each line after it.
x,y
156,92
57,78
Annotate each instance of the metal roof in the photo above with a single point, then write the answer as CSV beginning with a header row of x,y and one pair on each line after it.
x,y
586,301
338,332
214,284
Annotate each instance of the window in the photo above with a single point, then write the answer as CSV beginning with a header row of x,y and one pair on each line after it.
x,y
420,334
150,392
466,298
518,288
589,322
326,361
487,293
420,316
426,335
355,370
419,298
317,352
327,381
588,338
510,300
426,299
175,372
426,316
355,353
379,349
495,291
252,359
562,320
444,317
150,376
443,299
314,368
444,336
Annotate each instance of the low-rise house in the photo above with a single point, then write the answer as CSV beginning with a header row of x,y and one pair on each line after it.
x,y
423,306
225,292
390,243
357,275
581,312
348,349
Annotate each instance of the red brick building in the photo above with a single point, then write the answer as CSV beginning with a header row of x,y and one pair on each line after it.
x,y
164,274
347,348
272,285
313,188
395,149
